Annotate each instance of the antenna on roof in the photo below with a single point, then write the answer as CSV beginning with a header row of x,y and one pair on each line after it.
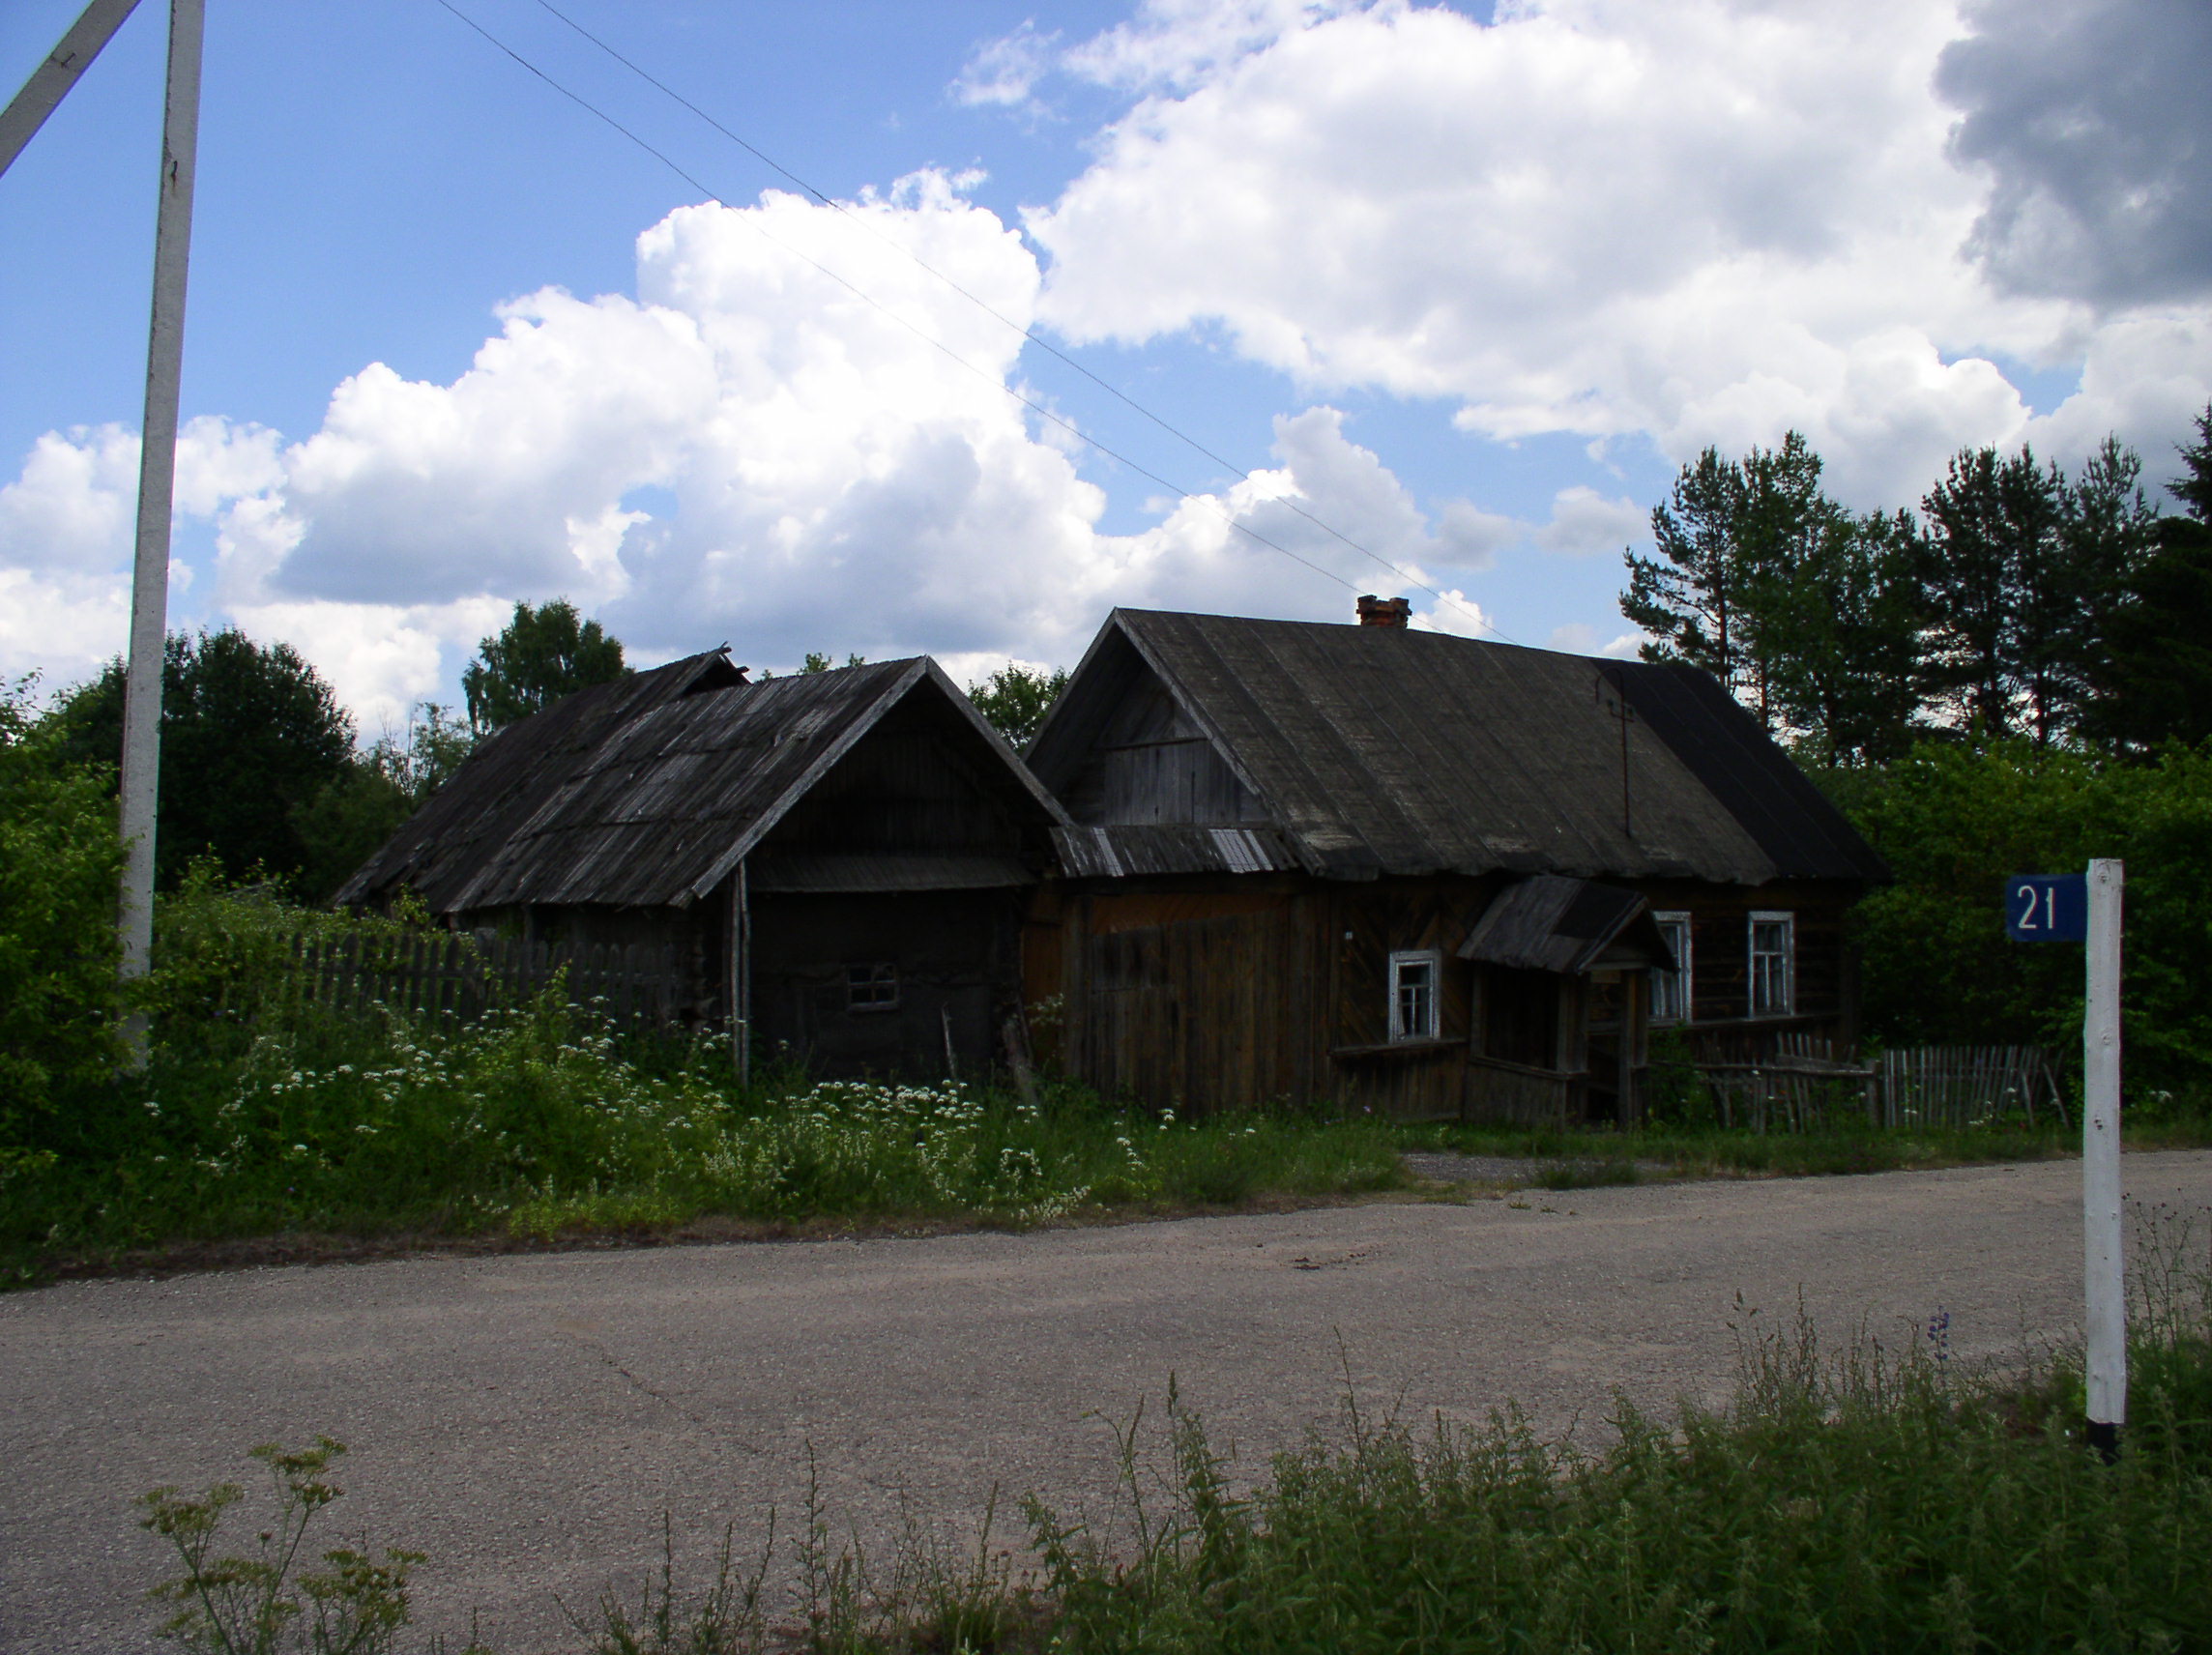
x,y
1617,705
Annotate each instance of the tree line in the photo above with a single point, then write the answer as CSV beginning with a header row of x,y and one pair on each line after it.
x,y
2017,600
262,770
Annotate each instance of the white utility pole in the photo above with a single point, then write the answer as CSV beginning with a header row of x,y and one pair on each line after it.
x,y
51,82
156,486
2101,1217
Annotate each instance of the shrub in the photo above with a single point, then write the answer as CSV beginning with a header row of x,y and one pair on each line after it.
x,y
1955,818
60,877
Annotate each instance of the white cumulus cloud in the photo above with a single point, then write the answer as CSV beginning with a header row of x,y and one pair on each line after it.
x,y
1706,221
1586,524
745,450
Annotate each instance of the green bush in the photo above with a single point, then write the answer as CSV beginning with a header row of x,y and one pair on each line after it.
x,y
1955,818
60,875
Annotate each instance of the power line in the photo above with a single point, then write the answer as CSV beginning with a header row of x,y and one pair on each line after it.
x,y
992,379
988,308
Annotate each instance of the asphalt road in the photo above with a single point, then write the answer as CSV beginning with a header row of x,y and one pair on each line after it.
x,y
527,1419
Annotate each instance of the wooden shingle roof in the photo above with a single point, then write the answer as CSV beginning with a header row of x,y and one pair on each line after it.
x,y
646,792
1380,750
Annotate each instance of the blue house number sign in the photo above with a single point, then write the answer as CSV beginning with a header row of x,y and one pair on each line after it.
x,y
2046,907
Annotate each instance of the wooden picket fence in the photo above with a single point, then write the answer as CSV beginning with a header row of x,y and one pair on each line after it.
x,y
1803,1082
1967,1086
459,976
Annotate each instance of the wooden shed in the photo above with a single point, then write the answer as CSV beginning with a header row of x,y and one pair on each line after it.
x,y
836,863
1439,876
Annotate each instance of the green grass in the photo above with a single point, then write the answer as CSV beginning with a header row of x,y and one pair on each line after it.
x,y
1714,1150
540,1123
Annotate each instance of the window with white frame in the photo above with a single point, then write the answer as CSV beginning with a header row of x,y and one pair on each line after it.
x,y
1773,964
1413,982
1671,989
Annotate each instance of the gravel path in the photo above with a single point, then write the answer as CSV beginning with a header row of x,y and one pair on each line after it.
x,y
526,1419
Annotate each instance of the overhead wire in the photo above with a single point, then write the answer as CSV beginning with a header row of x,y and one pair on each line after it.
x,y
1112,390
1188,496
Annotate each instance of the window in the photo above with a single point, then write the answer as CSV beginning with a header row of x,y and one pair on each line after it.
x,y
871,988
1413,996
1773,964
1671,989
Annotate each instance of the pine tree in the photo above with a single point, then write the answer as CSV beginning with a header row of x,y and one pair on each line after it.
x,y
1845,627
1729,536
2152,675
2195,490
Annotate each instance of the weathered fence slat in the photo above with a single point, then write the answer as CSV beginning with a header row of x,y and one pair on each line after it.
x,y
459,977
1806,1081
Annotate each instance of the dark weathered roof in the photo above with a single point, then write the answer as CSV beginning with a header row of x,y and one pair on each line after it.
x,y
647,792
1114,853
1379,750
1552,924
505,780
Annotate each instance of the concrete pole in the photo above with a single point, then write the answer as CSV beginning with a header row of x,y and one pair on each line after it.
x,y
157,485
2101,1217
51,82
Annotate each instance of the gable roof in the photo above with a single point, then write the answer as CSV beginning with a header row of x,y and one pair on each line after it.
x,y
1380,750
649,792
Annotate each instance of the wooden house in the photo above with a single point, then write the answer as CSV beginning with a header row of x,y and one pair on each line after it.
x,y
1377,866
836,862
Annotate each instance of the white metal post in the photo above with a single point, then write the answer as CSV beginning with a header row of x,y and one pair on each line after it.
x,y
156,486
2102,1239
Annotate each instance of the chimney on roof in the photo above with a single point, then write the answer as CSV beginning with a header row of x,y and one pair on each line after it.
x,y
1385,611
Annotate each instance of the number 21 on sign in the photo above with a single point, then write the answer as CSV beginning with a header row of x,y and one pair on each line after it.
x,y
2046,907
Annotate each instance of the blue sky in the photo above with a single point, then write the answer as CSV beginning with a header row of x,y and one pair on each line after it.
x,y
1465,289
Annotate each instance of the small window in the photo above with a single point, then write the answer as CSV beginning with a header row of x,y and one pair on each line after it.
x,y
1773,964
1671,989
1413,996
871,988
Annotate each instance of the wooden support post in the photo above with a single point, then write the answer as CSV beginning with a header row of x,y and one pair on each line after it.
x,y
1626,1104
1015,1035
742,977
2101,1219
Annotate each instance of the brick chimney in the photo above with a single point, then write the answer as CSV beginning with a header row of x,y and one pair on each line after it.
x,y
1383,611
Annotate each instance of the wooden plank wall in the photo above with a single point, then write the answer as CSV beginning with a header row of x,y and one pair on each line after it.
x,y
1154,766
1221,999
1720,941
1374,922
1207,1008
1213,992
903,788
954,952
